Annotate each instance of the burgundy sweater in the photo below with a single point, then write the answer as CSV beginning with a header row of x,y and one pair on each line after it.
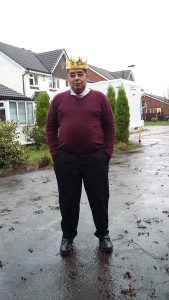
x,y
80,125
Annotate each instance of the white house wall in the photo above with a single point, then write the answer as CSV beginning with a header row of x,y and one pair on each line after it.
x,y
10,73
43,85
22,137
133,93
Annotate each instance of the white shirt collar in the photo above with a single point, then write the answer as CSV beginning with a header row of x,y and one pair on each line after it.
x,y
84,93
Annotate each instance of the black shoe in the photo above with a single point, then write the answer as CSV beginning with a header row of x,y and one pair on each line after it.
x,y
105,244
66,246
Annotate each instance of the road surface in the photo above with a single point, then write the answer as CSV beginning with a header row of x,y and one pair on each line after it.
x,y
31,267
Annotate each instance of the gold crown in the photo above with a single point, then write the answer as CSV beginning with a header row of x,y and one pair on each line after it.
x,y
76,64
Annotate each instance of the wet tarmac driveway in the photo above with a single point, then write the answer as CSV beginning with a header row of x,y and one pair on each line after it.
x,y
31,267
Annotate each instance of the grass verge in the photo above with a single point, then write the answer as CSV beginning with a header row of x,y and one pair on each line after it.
x,y
41,158
34,156
123,147
158,123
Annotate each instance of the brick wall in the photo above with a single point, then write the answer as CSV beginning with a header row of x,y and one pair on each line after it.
x,y
152,104
94,77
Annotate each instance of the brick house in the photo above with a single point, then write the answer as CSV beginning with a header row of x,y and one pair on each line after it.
x,y
154,106
96,74
26,73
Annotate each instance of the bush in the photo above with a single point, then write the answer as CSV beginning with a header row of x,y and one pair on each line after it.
x,y
26,131
154,119
42,107
112,97
44,161
122,117
121,146
38,136
12,153
38,131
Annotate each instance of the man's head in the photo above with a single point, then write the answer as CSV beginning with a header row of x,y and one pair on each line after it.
x,y
77,75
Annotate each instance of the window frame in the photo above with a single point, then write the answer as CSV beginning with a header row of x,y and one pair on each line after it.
x,y
18,116
53,83
33,79
157,110
2,109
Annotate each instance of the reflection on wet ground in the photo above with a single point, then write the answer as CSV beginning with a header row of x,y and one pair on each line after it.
x,y
31,267
88,280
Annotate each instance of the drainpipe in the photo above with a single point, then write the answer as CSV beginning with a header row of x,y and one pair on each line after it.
x,y
23,82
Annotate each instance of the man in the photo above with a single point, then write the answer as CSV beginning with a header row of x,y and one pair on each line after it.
x,y
80,134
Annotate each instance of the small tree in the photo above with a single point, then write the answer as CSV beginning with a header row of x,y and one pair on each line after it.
x,y
42,106
112,97
38,135
12,153
122,117
38,131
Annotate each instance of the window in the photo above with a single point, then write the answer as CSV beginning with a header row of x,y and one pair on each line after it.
x,y
52,83
21,112
156,110
33,79
13,111
29,110
58,83
2,115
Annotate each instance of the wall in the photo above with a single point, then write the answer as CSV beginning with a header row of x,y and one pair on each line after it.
x,y
43,85
154,103
10,74
94,77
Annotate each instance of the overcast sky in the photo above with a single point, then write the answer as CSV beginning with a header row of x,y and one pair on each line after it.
x,y
111,34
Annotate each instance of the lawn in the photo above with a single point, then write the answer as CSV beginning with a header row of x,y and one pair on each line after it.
x,y
42,158
34,156
158,123
36,159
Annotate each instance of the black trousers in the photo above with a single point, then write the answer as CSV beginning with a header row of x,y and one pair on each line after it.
x,y
71,169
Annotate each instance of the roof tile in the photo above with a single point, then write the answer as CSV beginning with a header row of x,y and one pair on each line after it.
x,y
7,94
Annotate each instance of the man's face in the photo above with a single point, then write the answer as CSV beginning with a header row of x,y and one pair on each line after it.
x,y
77,80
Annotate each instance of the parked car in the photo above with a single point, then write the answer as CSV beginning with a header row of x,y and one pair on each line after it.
x,y
163,117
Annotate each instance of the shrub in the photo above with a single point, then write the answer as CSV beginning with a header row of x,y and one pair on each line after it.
x,y
122,117
12,153
44,161
38,131
154,119
38,136
42,107
26,131
112,97
121,146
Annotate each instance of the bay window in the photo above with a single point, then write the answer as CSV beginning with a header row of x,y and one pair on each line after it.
x,y
21,112
13,111
29,110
